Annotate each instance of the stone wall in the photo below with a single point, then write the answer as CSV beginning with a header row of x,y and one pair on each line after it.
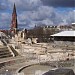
x,y
64,43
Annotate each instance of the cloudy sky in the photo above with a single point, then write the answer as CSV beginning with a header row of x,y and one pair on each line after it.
x,y
31,12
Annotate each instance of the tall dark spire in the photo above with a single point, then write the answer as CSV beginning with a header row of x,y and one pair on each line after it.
x,y
14,9
14,18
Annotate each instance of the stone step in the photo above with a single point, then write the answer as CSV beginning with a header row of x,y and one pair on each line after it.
x,y
6,55
4,52
3,42
3,48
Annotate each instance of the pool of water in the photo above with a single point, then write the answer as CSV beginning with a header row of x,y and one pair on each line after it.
x,y
36,70
31,70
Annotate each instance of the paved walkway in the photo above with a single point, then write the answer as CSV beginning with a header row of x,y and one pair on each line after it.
x,y
16,68
10,59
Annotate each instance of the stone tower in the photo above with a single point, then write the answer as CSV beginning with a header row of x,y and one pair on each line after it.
x,y
14,19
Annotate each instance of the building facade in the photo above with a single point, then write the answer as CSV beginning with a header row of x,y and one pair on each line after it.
x,y
64,38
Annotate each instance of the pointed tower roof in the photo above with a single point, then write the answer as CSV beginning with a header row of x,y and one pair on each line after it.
x,y
14,8
14,18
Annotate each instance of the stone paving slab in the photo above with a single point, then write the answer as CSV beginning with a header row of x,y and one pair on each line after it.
x,y
10,59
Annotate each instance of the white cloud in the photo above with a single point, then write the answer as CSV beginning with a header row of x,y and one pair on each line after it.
x,y
47,22
31,12
70,17
4,16
4,20
25,4
46,15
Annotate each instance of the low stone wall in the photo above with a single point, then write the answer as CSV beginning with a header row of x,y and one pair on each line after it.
x,y
64,43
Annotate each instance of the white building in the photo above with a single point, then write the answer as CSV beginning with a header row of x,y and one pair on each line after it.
x,y
64,37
